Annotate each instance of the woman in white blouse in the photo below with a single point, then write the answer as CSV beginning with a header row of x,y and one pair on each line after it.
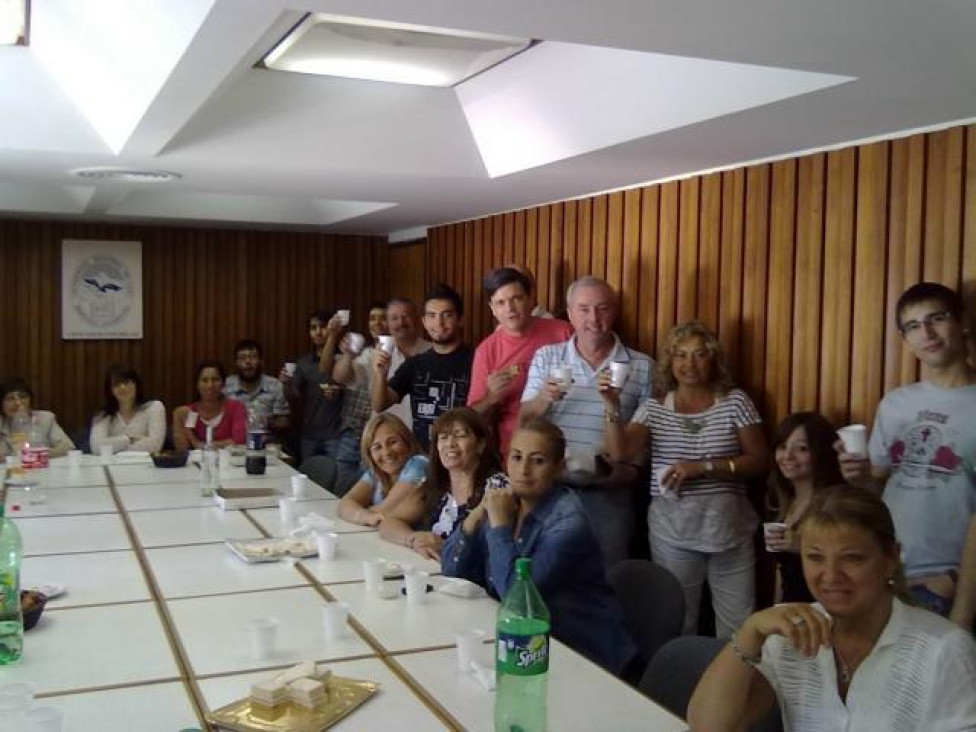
x,y
127,421
859,659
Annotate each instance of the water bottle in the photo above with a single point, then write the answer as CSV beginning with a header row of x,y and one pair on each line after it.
x,y
209,470
11,619
522,659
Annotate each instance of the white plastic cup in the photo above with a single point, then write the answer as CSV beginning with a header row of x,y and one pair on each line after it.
x,y
106,452
373,573
416,584
355,343
772,529
562,374
659,478
287,508
387,343
343,316
263,632
74,458
12,711
191,420
298,485
290,367
43,719
469,648
855,439
335,620
619,371
326,544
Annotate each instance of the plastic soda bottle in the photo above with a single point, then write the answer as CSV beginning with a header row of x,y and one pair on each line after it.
x,y
522,658
209,466
11,619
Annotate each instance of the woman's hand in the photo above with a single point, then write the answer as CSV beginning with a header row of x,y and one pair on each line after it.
x,y
781,540
855,468
806,628
677,473
426,544
368,517
500,505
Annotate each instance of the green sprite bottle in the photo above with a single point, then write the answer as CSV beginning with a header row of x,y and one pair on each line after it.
x,y
11,619
522,659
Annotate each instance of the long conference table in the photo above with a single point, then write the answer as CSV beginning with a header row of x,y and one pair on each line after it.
x,y
151,633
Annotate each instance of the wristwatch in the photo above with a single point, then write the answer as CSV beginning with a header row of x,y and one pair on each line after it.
x,y
709,467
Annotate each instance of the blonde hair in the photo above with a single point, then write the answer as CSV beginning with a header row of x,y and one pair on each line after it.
x,y
719,379
369,435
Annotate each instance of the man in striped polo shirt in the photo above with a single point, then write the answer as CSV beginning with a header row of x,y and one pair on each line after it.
x,y
604,487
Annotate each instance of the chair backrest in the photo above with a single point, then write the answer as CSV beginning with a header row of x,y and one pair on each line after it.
x,y
322,470
673,674
652,600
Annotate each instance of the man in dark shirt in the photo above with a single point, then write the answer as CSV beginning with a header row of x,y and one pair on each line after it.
x,y
436,380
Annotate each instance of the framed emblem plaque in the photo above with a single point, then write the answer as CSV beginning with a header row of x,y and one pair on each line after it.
x,y
101,289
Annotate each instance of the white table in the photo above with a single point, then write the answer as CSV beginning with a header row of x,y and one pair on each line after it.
x,y
164,707
67,534
97,578
65,501
181,526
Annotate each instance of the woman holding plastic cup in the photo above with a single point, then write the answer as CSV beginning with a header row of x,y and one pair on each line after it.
x,y
706,440
805,463
228,417
534,516
391,486
127,420
20,423
461,462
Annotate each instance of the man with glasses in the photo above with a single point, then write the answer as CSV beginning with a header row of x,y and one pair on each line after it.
x,y
923,451
263,395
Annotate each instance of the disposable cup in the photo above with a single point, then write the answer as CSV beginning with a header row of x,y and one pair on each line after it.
x,y
106,452
772,529
373,573
287,508
43,719
19,690
619,371
387,343
469,648
416,584
290,368
335,620
74,458
659,479
855,439
562,374
263,632
326,544
298,483
343,316
191,420
355,343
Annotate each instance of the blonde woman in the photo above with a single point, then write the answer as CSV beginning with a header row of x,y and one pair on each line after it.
x,y
705,439
391,486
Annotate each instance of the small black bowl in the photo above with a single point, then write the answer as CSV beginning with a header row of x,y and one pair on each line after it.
x,y
170,459
34,614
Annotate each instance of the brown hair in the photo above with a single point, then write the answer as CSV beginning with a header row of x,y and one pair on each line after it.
x,y
554,436
720,380
821,437
369,434
438,479
860,508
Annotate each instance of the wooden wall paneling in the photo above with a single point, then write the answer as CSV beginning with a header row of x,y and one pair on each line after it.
x,y
473,321
838,284
687,272
508,250
570,242
754,280
732,246
454,251
629,290
543,264
868,334
557,268
518,253
647,304
584,237
905,217
615,239
709,250
943,198
969,237
667,263
807,303
531,258
470,266
779,297
598,240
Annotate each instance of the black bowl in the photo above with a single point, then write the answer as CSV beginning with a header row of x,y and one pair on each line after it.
x,y
169,459
34,614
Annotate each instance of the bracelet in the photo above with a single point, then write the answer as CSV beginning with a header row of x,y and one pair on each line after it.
x,y
737,650
731,467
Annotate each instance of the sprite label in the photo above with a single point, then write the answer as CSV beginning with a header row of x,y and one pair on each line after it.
x,y
523,655
9,600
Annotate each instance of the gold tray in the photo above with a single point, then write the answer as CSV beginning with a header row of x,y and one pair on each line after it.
x,y
345,695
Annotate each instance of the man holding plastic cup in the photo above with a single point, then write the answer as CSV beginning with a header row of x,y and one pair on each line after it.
x,y
923,451
593,357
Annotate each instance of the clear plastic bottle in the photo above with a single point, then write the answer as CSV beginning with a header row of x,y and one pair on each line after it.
x,y
11,619
522,658
209,466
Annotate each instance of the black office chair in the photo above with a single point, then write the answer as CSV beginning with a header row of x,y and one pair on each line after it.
x,y
322,470
673,674
653,603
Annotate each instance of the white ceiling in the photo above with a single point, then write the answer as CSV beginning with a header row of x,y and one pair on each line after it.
x,y
617,94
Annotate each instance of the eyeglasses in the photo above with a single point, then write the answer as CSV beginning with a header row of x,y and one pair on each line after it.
x,y
914,327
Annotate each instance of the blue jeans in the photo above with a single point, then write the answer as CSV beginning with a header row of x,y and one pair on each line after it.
x,y
344,450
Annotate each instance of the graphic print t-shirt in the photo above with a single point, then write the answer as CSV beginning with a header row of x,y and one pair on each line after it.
x,y
436,383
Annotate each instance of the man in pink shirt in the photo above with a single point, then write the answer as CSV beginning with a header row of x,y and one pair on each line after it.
x,y
501,361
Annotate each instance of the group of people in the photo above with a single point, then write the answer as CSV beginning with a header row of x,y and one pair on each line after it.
x,y
530,445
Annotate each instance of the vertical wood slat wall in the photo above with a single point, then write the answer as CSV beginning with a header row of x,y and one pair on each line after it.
x,y
204,290
796,264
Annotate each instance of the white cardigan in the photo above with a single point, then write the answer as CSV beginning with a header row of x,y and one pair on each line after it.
x,y
146,431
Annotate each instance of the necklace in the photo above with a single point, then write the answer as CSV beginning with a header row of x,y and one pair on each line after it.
x,y
847,669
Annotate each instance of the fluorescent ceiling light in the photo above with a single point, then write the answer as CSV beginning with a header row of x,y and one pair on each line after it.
x,y
13,22
393,52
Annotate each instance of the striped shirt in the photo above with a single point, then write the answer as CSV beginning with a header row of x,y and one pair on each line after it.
x,y
579,414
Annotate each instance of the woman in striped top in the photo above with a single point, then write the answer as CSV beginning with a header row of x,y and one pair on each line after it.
x,y
705,440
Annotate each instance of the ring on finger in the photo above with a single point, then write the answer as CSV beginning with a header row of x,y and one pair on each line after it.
x,y
797,619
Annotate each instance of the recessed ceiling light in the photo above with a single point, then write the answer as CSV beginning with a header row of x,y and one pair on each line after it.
x,y
331,45
13,22
126,175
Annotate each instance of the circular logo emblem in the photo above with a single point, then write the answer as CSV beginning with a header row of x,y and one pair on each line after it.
x,y
102,290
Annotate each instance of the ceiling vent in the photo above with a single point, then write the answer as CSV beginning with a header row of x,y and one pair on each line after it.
x,y
125,175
